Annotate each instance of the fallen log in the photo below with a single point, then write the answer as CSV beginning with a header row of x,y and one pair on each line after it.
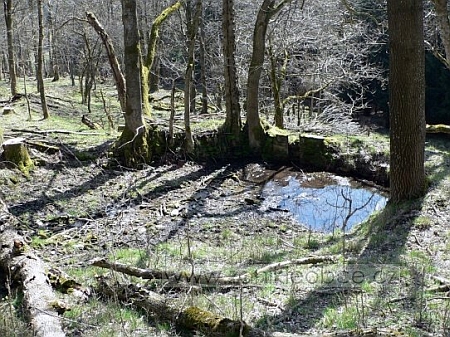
x,y
90,124
42,146
191,318
209,279
438,128
210,324
19,262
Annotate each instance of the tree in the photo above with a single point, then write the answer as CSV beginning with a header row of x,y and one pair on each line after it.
x,y
233,122
267,11
277,75
407,99
40,60
192,22
151,52
8,9
133,141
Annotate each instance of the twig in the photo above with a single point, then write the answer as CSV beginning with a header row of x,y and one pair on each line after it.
x,y
44,132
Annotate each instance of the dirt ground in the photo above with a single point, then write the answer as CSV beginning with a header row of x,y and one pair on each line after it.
x,y
184,216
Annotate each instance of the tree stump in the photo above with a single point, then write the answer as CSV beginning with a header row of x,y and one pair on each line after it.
x,y
15,151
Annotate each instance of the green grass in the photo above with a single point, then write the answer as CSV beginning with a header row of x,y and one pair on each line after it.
x,y
108,319
343,318
12,322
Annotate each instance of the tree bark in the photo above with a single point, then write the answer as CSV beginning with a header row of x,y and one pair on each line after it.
x,y
132,146
233,123
112,58
20,264
8,7
134,121
40,60
267,11
407,99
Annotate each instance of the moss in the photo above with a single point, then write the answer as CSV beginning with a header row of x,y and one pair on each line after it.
x,y
316,151
211,324
133,151
145,90
18,155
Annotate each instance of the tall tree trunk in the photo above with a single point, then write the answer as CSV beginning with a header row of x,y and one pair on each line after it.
x,y
40,63
7,6
233,123
407,99
202,60
50,30
134,121
189,87
267,11
133,144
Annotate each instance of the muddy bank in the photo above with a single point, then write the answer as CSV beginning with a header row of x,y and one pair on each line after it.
x,y
350,156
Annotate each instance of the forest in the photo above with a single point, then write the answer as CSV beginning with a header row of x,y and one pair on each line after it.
x,y
225,168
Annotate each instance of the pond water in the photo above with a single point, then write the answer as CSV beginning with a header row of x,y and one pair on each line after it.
x,y
322,201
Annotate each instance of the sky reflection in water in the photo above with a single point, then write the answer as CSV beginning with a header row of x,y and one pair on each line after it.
x,y
323,202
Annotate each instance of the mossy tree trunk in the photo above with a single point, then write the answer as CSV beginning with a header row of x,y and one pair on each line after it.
x,y
233,123
147,63
132,145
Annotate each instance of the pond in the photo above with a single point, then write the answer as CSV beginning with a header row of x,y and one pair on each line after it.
x,y
322,201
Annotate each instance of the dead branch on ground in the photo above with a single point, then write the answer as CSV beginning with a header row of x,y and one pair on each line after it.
x,y
211,278
65,132
438,128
